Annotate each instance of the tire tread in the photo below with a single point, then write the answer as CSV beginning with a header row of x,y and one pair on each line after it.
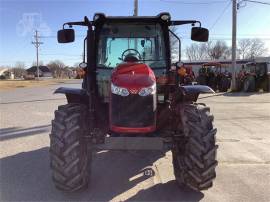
x,y
195,166
68,150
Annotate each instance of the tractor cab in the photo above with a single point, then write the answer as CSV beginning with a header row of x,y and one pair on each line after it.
x,y
126,57
207,75
215,75
131,55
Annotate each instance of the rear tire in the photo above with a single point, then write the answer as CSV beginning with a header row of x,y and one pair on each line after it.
x,y
266,85
225,84
194,155
68,148
249,84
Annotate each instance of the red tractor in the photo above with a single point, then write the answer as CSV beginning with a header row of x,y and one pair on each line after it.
x,y
130,99
255,76
215,75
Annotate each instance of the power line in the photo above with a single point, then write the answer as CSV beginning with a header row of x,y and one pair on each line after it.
x,y
61,54
54,36
242,35
229,38
194,3
247,35
258,2
220,16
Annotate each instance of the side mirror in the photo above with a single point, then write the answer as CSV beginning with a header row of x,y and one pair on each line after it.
x,y
199,34
65,35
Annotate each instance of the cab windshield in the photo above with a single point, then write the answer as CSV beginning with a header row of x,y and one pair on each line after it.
x,y
144,41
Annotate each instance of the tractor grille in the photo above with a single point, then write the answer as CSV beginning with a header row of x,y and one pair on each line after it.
x,y
133,111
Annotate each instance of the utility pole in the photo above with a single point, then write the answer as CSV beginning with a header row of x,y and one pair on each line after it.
x,y
135,8
135,14
37,44
234,16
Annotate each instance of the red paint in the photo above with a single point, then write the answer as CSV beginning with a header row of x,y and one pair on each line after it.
x,y
133,76
147,129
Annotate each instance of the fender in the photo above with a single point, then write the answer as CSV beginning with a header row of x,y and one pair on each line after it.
x,y
192,92
73,95
193,89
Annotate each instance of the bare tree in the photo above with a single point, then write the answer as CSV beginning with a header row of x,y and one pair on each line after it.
x,y
210,50
197,51
228,54
250,48
217,50
243,47
20,64
19,69
57,68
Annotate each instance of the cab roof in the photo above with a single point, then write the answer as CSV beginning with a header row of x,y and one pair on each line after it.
x,y
162,17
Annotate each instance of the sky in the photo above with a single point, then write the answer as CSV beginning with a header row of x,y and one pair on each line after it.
x,y
19,19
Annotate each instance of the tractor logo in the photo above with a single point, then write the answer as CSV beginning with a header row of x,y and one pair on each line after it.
x,y
30,22
133,91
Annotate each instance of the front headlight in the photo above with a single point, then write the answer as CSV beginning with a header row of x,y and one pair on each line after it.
x,y
119,91
148,91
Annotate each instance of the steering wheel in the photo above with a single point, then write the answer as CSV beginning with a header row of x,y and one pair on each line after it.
x,y
128,50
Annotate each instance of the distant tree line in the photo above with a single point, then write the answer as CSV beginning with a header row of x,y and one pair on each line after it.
x,y
214,50
57,68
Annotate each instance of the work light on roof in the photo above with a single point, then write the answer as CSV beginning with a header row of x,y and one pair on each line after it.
x,y
165,17
96,17
99,16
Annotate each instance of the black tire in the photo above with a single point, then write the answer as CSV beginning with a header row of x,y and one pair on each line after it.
x,y
225,84
69,158
239,85
266,84
249,84
194,157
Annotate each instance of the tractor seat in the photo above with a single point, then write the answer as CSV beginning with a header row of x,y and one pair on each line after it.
x,y
131,58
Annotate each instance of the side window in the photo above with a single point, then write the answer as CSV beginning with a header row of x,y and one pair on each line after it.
x,y
174,44
115,48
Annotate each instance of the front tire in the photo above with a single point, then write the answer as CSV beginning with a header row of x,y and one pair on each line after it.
x,y
68,148
194,155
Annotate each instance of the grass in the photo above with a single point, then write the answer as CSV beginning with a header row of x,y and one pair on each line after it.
x,y
13,84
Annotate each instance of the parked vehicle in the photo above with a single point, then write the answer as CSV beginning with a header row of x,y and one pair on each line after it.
x,y
127,94
256,76
215,75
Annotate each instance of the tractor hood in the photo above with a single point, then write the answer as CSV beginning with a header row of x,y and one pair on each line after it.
x,y
133,75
